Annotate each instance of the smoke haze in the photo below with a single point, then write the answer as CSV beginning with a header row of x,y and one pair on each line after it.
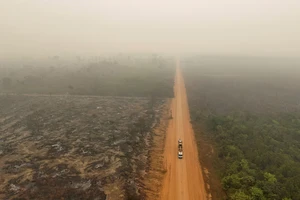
x,y
240,27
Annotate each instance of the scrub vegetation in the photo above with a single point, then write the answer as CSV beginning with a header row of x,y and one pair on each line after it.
x,y
119,75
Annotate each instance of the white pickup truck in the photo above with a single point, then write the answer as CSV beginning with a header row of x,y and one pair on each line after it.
x,y
180,152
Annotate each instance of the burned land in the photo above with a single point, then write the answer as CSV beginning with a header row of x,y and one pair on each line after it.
x,y
246,115
79,147
81,129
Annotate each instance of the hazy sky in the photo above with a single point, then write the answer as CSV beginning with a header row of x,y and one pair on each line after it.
x,y
47,27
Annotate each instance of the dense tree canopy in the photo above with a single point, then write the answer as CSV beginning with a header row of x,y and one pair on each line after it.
x,y
247,109
260,155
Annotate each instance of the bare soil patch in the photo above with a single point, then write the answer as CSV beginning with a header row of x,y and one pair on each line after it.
x,y
155,171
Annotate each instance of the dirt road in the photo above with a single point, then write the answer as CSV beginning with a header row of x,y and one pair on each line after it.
x,y
183,179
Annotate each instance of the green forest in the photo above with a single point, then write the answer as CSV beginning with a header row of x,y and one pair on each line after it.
x,y
259,155
246,116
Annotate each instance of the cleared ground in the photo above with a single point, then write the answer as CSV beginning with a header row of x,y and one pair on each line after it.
x,y
75,147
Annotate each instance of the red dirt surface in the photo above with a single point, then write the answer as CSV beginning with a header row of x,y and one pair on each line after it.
x,y
184,178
